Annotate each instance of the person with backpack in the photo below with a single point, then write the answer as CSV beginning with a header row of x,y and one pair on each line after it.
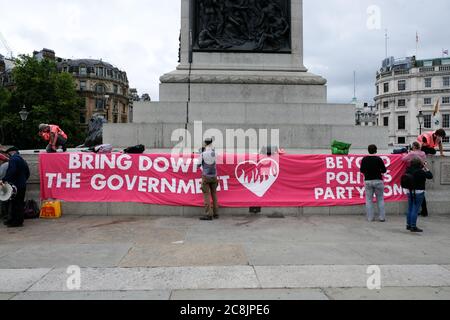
x,y
414,181
210,182
373,168
417,153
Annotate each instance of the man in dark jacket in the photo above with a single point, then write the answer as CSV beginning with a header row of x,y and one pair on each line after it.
x,y
373,168
17,175
420,174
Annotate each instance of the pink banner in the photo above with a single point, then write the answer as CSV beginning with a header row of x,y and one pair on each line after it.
x,y
260,181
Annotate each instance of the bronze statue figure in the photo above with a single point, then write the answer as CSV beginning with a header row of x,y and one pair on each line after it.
x,y
242,25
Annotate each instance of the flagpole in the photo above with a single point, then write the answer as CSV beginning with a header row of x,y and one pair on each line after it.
x,y
417,44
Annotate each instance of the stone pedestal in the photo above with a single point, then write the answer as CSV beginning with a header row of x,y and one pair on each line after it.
x,y
245,90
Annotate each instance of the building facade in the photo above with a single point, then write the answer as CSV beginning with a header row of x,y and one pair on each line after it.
x,y
6,67
365,115
104,88
404,87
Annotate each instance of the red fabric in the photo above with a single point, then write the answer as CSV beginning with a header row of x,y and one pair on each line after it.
x,y
287,181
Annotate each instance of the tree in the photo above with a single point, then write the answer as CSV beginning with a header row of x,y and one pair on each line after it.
x,y
5,98
48,95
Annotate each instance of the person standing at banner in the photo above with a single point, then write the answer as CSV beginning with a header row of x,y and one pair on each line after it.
x,y
420,174
210,182
17,175
431,140
373,168
416,153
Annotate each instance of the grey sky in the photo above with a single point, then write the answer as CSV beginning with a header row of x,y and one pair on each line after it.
x,y
141,36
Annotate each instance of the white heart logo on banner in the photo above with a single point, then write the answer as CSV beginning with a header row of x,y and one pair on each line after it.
x,y
258,177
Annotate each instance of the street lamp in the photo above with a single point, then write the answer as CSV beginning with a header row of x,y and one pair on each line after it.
x,y
107,106
24,114
421,118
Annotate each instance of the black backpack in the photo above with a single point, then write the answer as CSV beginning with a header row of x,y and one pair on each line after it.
x,y
139,149
31,210
407,182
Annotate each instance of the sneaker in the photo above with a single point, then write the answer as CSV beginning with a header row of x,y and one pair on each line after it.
x,y
206,218
216,216
382,220
408,228
416,230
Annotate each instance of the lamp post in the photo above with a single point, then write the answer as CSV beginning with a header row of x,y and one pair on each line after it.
x,y
23,116
107,107
421,119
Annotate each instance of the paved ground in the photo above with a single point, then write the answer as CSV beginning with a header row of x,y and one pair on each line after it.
x,y
317,257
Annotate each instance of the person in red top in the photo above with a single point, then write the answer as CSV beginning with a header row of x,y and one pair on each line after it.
x,y
430,140
56,138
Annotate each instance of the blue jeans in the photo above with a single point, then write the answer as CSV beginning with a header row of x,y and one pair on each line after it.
x,y
375,187
414,205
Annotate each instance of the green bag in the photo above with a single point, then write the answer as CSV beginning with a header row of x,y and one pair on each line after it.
x,y
340,148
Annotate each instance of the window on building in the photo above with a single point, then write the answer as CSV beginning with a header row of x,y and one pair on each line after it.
x,y
386,105
402,103
65,69
427,101
100,88
82,118
386,87
83,70
100,104
446,81
402,85
116,88
386,121
427,82
401,140
427,121
83,86
446,139
401,123
446,100
446,121
378,90
100,71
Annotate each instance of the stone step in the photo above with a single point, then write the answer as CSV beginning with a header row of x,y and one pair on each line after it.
x,y
245,113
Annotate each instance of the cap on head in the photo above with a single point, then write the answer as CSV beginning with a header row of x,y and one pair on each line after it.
x,y
12,149
43,126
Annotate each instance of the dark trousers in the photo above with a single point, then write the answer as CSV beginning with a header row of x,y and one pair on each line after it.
x,y
4,210
60,143
16,214
209,188
431,151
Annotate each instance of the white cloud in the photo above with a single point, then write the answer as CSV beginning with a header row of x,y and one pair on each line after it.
x,y
141,36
